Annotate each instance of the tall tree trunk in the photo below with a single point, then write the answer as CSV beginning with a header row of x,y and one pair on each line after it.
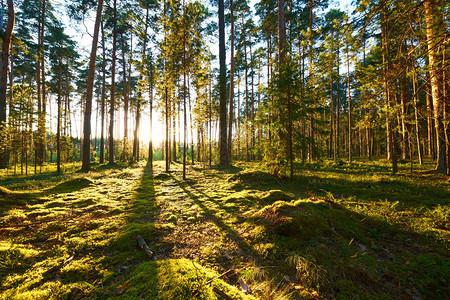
x,y
125,102
86,165
39,65
210,126
150,104
349,100
252,103
247,156
166,148
430,128
230,122
403,115
113,87
446,111
416,117
191,123
285,90
223,148
311,75
238,121
388,94
139,95
102,126
434,29
184,94
11,103
332,151
269,78
40,147
6,45
58,125
174,135
338,114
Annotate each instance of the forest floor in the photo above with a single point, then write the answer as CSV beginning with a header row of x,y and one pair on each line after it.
x,y
337,231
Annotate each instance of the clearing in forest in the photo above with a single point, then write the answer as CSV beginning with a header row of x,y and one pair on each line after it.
x,y
336,231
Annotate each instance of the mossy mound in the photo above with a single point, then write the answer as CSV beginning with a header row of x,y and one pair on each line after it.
x,y
302,219
277,195
163,176
71,185
256,178
174,279
242,196
4,191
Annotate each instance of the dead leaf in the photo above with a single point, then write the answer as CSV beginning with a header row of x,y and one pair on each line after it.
x,y
244,287
119,289
298,287
315,295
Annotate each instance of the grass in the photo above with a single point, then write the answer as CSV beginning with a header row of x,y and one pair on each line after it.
x,y
337,231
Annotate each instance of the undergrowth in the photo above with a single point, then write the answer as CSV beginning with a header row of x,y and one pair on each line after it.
x,y
337,230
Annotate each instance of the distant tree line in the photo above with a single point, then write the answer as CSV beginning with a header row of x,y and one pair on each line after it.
x,y
304,82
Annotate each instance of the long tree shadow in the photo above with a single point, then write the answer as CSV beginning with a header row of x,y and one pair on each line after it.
x,y
143,278
125,258
214,215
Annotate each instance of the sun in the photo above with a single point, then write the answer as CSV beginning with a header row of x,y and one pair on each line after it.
x,y
157,129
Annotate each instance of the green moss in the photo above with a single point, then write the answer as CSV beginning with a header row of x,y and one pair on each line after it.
x,y
174,279
4,191
276,195
355,230
126,239
172,218
71,185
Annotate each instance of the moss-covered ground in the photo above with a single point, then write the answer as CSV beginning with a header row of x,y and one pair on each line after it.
x,y
341,231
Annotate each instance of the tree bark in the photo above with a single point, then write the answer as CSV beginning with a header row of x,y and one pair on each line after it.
x,y
247,156
86,164
139,95
434,26
113,87
40,145
150,104
125,102
386,73
349,100
184,94
167,150
430,127
58,125
230,122
223,148
102,137
6,46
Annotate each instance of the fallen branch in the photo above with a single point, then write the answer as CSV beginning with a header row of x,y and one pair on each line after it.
x,y
220,276
221,293
58,267
144,246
